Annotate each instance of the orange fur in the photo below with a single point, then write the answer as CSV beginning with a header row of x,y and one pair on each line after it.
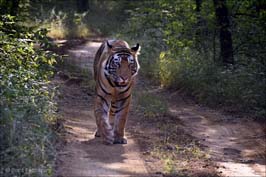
x,y
115,67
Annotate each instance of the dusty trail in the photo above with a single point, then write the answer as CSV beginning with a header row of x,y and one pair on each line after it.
x,y
82,154
237,146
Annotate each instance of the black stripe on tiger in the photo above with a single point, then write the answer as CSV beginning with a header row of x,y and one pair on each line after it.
x,y
122,50
103,99
124,99
96,62
115,66
125,90
114,106
110,82
104,89
117,111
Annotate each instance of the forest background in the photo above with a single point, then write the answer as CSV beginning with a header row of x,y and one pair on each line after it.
x,y
212,50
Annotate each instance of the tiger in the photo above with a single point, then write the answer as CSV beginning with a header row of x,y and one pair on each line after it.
x,y
115,69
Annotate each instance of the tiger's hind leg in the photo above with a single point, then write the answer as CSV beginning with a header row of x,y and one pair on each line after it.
x,y
119,129
120,121
112,114
104,129
120,140
97,133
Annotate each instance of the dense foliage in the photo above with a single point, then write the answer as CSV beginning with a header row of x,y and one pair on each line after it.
x,y
213,49
26,66
79,18
26,107
186,44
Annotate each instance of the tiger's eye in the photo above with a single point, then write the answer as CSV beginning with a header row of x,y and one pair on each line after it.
x,y
117,59
130,59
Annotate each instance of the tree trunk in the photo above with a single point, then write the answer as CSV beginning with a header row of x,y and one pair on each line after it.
x,y
82,5
226,45
14,7
9,7
198,27
198,5
199,20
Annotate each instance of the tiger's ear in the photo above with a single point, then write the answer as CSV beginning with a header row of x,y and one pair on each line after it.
x,y
109,45
136,48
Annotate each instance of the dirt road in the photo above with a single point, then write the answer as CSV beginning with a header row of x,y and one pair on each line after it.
x,y
82,154
237,146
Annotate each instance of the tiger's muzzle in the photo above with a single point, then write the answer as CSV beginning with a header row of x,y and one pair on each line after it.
x,y
120,82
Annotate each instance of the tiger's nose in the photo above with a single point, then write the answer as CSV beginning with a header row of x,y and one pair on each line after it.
x,y
121,80
124,78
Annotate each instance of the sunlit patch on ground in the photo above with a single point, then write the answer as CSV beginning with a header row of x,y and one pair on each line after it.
x,y
238,147
177,138
240,169
83,154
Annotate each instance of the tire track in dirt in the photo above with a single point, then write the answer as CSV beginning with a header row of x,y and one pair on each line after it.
x,y
237,145
82,154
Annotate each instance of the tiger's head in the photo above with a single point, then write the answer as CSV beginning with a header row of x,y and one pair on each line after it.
x,y
122,64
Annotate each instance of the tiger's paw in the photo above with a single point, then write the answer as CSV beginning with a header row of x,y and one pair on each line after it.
x,y
108,141
120,141
97,134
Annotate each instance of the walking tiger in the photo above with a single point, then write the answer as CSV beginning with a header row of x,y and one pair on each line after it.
x,y
115,68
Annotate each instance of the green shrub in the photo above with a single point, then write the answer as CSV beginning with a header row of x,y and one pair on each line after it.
x,y
240,88
26,100
180,49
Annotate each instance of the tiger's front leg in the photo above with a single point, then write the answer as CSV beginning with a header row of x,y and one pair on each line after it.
x,y
121,113
104,129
